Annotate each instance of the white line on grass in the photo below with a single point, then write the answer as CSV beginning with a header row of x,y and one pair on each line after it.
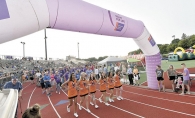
x,y
30,97
54,108
143,82
160,98
81,106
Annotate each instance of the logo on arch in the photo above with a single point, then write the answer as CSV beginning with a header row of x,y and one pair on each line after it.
x,y
117,21
4,13
151,40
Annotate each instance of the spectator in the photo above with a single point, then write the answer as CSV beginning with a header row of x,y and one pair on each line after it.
x,y
160,77
96,73
14,84
105,70
47,83
136,75
32,112
130,75
171,73
77,75
42,83
58,82
88,72
186,79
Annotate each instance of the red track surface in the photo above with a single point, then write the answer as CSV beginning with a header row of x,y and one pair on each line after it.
x,y
138,102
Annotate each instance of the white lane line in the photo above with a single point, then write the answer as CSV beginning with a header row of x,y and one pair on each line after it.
x,y
123,110
143,82
161,108
158,107
54,108
82,106
30,97
157,91
26,86
120,108
160,98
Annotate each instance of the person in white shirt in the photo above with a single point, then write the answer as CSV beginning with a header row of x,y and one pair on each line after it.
x,y
130,75
124,70
116,68
38,74
96,73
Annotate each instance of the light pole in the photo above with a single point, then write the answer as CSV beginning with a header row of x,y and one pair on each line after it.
x,y
78,49
45,45
23,48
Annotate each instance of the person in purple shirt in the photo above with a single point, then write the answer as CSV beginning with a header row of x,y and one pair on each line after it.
x,y
186,79
58,82
67,75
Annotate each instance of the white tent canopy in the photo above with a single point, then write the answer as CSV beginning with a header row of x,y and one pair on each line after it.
x,y
111,60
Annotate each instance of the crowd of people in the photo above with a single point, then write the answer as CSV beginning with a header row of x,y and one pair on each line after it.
x,y
82,80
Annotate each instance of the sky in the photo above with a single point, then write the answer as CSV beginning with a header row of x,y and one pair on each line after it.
x,y
163,19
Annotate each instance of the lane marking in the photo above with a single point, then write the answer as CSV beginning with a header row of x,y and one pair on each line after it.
x,y
160,98
160,108
157,91
82,106
30,97
26,86
121,108
143,82
54,108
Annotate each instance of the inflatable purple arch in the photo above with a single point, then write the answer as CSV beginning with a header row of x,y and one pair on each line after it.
x,y
19,18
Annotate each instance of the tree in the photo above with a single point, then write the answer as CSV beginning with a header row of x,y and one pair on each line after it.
x,y
172,47
101,58
175,41
135,52
192,40
163,48
185,43
183,36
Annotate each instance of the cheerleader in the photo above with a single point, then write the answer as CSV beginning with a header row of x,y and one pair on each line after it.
x,y
92,89
118,85
111,85
103,84
83,90
72,93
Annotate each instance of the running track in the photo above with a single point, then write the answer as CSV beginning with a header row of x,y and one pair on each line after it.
x,y
137,103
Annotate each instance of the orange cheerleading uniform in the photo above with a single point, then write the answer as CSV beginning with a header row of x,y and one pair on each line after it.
x,y
72,91
84,91
117,81
111,83
103,85
92,87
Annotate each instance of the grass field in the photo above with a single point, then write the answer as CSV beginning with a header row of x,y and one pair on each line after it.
x,y
165,65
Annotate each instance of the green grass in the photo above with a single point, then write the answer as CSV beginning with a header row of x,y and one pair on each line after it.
x,y
177,64
165,66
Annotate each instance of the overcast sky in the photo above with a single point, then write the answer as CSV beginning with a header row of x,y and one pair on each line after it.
x,y
163,18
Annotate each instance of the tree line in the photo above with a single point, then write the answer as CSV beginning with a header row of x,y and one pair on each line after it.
x,y
184,42
92,59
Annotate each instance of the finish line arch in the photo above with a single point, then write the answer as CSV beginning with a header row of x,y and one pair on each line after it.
x,y
19,18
